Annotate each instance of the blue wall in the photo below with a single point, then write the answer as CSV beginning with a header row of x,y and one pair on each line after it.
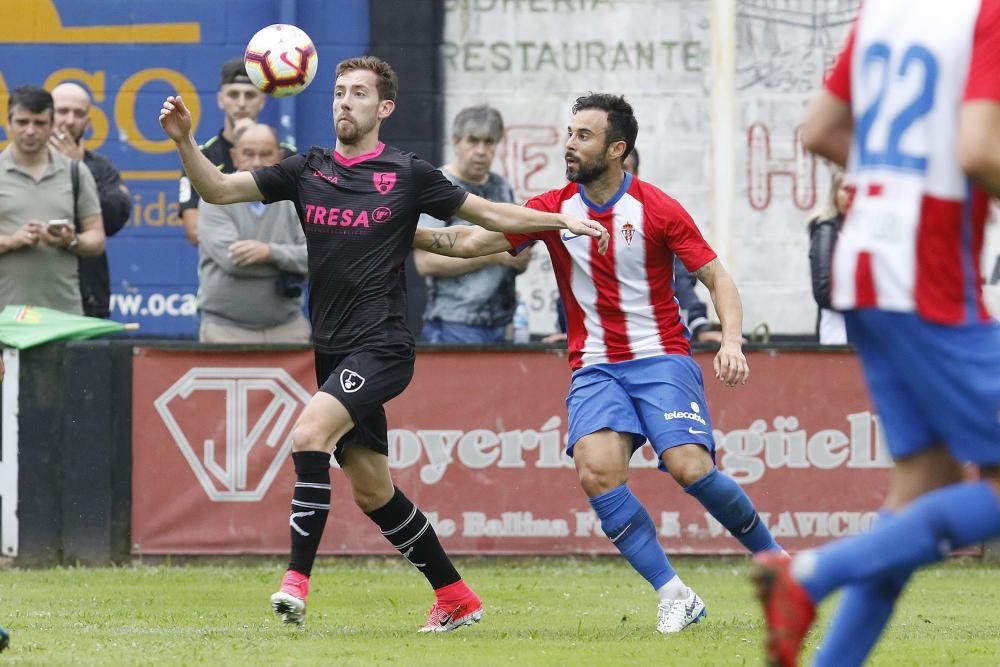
x,y
133,53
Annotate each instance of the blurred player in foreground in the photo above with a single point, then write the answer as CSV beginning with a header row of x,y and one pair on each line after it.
x,y
633,375
913,109
359,203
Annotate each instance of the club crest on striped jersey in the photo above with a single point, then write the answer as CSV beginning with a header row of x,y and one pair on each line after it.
x,y
628,231
384,181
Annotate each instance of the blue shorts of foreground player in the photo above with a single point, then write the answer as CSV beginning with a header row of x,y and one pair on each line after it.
x,y
932,383
660,398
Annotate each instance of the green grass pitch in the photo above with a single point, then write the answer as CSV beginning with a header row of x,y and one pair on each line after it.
x,y
539,612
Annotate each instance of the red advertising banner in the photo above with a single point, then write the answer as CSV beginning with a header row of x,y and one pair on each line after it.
x,y
477,442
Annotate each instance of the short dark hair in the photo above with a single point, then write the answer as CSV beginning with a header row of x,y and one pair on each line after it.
x,y
622,125
388,82
31,98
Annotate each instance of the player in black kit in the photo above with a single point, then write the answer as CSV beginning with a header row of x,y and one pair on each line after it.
x,y
359,204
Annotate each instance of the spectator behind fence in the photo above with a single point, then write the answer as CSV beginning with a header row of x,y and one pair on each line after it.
x,y
471,300
38,242
72,118
824,227
237,99
252,259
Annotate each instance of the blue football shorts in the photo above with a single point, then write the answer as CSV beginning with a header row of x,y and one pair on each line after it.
x,y
661,399
932,383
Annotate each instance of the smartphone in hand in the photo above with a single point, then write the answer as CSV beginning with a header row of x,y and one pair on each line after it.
x,y
59,225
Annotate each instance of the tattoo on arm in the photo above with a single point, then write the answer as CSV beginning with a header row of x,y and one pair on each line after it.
x,y
444,239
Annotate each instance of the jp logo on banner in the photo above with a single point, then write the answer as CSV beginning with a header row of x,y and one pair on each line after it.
x,y
257,408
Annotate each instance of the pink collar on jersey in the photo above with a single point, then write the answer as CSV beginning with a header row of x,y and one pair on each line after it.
x,y
351,161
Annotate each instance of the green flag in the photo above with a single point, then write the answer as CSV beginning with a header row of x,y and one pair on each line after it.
x,y
28,326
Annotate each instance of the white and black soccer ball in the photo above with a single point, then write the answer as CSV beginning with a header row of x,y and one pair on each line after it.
x,y
281,60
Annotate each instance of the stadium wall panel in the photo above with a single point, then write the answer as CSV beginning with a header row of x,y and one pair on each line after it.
x,y
133,450
476,440
131,54
74,464
41,444
97,461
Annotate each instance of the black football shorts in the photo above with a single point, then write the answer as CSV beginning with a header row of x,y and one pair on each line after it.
x,y
364,381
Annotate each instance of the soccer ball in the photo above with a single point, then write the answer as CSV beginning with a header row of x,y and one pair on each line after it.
x,y
281,60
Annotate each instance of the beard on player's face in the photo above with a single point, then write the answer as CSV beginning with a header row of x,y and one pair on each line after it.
x,y
353,130
583,172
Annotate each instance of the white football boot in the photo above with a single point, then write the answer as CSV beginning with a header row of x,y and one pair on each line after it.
x,y
675,615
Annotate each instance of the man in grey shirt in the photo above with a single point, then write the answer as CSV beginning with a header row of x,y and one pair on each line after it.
x,y
471,301
39,244
252,259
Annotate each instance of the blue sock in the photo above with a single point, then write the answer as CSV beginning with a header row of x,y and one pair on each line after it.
x,y
925,532
863,612
627,524
726,501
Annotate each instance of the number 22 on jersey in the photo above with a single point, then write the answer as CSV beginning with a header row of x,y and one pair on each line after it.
x,y
896,94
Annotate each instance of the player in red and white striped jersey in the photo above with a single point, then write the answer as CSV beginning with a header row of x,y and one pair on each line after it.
x,y
634,378
913,109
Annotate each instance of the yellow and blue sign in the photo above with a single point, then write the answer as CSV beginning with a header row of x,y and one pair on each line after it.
x,y
131,54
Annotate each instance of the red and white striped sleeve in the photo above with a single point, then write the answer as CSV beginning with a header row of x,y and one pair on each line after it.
x,y
984,69
838,82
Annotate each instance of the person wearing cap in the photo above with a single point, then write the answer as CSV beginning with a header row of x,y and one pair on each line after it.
x,y
237,98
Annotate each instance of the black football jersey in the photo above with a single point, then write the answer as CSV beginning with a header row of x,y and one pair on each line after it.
x,y
359,216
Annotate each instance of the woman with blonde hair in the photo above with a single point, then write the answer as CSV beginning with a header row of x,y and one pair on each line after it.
x,y
824,227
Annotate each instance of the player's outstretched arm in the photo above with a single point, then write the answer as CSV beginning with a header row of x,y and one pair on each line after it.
x,y
828,128
513,219
730,364
213,186
979,143
460,241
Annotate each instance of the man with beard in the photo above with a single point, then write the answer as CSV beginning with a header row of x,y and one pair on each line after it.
x,y
359,203
633,377
72,118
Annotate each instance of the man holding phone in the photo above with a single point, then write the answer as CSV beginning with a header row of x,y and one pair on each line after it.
x,y
39,245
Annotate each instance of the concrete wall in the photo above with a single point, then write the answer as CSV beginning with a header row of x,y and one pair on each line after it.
x,y
704,76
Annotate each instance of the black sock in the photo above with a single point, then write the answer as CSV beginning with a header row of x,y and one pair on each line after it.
x,y
406,527
310,506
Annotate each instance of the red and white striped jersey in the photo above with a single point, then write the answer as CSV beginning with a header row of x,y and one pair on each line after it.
x,y
620,305
914,234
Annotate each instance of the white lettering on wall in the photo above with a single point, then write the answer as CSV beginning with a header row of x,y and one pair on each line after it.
x,y
745,454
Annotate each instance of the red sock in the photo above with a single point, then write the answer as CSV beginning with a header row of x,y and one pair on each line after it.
x,y
453,593
296,584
